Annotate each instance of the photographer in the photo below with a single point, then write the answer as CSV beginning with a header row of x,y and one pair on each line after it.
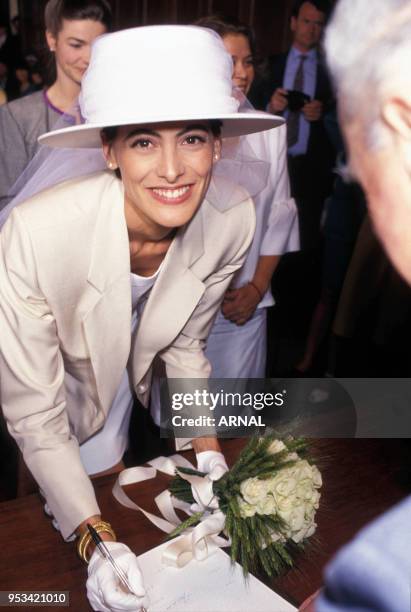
x,y
298,87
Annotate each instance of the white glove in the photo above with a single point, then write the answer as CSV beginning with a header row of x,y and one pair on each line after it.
x,y
104,591
212,463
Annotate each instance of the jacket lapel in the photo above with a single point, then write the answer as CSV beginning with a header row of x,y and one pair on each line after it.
x,y
107,323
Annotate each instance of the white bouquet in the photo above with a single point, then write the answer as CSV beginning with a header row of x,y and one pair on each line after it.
x,y
269,499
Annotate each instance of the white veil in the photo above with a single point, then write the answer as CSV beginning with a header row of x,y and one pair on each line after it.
x,y
238,166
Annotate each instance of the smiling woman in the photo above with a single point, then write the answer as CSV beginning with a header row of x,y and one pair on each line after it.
x,y
71,27
165,172
99,275
71,47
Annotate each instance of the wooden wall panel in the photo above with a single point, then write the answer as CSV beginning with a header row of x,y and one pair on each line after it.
x,y
270,19
129,14
190,10
161,11
271,25
32,23
226,7
4,10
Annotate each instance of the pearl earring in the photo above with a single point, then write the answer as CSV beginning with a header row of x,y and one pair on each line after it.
x,y
111,165
216,157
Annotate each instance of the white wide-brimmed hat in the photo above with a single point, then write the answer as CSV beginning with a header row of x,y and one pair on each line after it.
x,y
158,74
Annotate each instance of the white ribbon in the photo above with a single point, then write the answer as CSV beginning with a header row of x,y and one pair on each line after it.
x,y
198,542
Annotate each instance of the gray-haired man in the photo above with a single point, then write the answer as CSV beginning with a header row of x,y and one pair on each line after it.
x,y
373,82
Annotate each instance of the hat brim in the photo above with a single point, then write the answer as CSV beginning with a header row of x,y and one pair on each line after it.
x,y
88,136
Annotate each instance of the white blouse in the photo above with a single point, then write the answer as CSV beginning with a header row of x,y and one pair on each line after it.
x,y
277,221
107,446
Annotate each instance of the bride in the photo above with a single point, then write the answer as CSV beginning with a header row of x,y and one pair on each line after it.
x,y
101,274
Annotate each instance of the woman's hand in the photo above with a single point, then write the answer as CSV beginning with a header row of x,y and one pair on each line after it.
x,y
103,589
213,463
239,304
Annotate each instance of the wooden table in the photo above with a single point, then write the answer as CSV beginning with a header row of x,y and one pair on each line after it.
x,y
362,478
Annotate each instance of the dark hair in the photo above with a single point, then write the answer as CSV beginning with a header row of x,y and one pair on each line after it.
x,y
57,10
224,26
109,134
21,64
321,5
227,25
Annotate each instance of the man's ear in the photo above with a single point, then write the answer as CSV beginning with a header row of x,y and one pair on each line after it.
x,y
293,24
396,113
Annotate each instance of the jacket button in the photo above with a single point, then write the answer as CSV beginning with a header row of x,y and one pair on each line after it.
x,y
142,388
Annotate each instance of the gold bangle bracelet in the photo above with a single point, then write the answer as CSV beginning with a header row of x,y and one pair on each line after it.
x,y
83,545
99,527
86,538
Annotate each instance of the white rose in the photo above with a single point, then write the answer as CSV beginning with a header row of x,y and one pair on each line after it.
x,y
246,510
311,529
253,490
276,447
306,531
295,518
305,491
292,457
317,479
303,470
266,505
309,513
286,487
283,484
310,472
315,499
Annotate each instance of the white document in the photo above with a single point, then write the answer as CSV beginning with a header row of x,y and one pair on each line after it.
x,y
213,585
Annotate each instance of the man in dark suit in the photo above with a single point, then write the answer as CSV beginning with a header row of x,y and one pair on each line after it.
x,y
309,150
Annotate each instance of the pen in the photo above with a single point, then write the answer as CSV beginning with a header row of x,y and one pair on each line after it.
x,y
108,556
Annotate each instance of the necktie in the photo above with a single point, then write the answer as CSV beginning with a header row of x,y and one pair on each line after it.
x,y
293,123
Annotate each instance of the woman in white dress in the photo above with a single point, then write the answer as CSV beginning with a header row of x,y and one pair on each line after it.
x,y
237,345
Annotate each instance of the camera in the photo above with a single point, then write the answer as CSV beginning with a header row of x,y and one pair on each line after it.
x,y
296,99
